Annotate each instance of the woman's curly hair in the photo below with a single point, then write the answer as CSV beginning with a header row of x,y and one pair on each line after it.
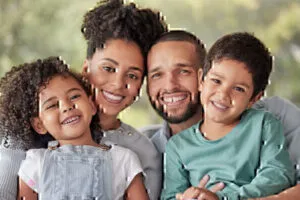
x,y
112,19
19,91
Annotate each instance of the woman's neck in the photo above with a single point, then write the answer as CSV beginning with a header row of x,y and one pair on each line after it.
x,y
109,122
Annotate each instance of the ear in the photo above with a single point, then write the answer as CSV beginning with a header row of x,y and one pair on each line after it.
x,y
38,125
200,82
255,99
85,68
94,108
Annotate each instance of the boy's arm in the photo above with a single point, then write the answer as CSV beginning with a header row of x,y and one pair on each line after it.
x,y
25,192
276,171
175,176
289,114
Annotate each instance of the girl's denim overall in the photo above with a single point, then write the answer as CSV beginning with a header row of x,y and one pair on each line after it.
x,y
76,173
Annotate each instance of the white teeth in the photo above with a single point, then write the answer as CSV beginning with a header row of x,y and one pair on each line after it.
x,y
112,96
219,105
72,119
173,99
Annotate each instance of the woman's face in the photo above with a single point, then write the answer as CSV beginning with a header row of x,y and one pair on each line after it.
x,y
116,73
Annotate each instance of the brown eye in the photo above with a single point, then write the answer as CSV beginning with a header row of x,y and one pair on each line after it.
x,y
216,81
109,69
76,96
132,76
239,89
50,106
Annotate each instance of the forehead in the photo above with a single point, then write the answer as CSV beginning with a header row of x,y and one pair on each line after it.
x,y
122,51
58,85
231,69
170,53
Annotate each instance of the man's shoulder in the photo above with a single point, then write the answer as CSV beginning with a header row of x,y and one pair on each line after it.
x,y
150,130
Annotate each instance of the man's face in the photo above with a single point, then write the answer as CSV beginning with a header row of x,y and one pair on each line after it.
x,y
172,81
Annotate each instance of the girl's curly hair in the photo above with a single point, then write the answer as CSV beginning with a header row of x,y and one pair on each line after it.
x,y
112,19
19,90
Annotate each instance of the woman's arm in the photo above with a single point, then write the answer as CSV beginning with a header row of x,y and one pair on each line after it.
x,y
136,190
25,192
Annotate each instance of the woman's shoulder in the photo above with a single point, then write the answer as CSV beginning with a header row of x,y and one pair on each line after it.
x,y
134,134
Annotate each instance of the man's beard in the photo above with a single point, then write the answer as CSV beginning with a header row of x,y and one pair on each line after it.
x,y
190,111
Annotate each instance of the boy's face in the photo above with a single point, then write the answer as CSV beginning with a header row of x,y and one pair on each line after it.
x,y
226,91
65,111
172,81
116,73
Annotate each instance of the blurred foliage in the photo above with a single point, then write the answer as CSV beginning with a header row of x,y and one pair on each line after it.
x,y
38,29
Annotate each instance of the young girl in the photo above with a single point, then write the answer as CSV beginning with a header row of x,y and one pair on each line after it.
x,y
57,102
118,38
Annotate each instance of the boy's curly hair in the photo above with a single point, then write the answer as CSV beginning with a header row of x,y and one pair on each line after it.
x,y
112,19
19,90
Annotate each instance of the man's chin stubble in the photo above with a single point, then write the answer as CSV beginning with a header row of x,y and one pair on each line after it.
x,y
190,112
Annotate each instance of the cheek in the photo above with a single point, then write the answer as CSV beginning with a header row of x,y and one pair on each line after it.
x,y
49,120
96,78
152,87
134,88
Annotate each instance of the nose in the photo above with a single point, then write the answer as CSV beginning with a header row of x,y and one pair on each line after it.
x,y
67,106
171,82
223,92
119,81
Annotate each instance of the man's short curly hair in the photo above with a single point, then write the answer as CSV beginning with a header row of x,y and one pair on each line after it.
x,y
19,90
112,19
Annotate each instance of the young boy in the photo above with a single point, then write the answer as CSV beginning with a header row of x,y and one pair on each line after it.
x,y
234,144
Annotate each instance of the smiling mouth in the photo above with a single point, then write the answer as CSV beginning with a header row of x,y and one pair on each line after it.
x,y
112,98
71,120
174,100
219,106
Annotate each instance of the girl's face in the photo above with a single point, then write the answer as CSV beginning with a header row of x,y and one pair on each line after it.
x,y
65,111
116,73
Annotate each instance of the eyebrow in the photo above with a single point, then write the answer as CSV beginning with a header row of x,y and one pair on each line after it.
x,y
178,64
111,60
52,98
116,63
222,77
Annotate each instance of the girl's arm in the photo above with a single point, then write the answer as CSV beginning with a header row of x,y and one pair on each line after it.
x,y
25,192
136,190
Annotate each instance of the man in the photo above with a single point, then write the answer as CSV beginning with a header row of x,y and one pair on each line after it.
x,y
173,63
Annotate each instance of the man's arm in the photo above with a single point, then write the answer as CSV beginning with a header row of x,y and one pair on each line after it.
x,y
289,115
288,194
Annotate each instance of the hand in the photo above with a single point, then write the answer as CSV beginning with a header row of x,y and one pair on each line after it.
x,y
200,192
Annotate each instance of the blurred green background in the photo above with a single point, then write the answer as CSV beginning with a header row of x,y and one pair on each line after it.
x,y
41,28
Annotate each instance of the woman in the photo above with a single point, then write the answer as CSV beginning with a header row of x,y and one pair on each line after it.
x,y
118,38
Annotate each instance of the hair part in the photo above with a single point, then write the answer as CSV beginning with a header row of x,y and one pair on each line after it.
x,y
247,49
